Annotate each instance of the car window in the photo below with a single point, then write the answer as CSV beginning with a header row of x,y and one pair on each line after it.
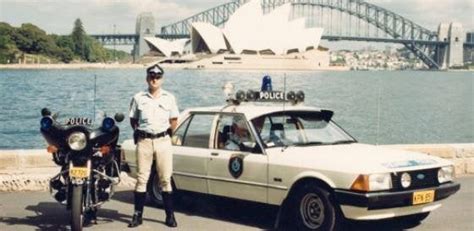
x,y
198,131
298,128
278,130
178,135
233,133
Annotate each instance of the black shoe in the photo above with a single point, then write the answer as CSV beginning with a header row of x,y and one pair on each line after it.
x,y
168,204
136,220
89,222
170,221
90,218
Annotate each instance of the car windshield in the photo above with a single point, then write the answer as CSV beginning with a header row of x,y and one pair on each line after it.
x,y
299,128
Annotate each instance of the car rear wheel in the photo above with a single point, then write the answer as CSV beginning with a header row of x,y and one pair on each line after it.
x,y
312,209
154,189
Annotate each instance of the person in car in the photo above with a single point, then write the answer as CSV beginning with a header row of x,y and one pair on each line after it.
x,y
239,134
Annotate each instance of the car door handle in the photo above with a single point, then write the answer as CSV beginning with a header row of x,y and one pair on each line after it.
x,y
214,153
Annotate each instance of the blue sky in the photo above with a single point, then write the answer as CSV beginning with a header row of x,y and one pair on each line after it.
x,y
99,16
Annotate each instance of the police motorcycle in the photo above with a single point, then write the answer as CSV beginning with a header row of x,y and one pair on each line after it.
x,y
89,158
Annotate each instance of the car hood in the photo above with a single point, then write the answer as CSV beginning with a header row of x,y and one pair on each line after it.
x,y
354,158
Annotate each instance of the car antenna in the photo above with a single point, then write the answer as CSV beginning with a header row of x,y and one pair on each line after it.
x,y
284,102
378,113
284,90
95,93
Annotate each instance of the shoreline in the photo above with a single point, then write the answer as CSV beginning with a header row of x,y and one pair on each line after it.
x,y
92,66
65,66
75,66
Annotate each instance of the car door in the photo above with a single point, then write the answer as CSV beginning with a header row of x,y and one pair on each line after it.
x,y
240,174
191,143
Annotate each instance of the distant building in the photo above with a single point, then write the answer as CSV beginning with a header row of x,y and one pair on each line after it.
x,y
250,32
470,37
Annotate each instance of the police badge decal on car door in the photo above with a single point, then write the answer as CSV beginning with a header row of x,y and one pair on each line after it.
x,y
236,165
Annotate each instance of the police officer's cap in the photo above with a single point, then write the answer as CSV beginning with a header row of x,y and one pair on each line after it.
x,y
155,69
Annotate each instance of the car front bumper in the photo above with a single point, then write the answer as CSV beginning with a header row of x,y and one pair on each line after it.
x,y
380,205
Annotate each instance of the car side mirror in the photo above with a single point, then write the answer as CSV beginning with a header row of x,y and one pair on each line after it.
x,y
176,140
327,115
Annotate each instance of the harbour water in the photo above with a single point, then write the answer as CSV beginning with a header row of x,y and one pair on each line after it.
x,y
404,107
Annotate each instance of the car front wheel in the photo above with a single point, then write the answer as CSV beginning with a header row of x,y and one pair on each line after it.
x,y
312,209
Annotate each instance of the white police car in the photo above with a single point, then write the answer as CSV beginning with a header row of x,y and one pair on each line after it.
x,y
296,157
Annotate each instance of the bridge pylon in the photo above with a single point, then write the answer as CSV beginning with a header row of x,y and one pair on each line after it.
x,y
145,27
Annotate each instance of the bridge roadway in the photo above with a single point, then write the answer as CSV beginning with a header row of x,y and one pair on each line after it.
x,y
21,211
131,39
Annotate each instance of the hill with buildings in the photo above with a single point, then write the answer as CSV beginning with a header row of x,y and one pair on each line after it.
x,y
30,44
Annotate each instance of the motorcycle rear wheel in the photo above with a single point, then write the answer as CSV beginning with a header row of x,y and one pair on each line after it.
x,y
77,217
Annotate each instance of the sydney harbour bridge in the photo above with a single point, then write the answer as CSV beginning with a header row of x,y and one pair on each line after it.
x,y
342,20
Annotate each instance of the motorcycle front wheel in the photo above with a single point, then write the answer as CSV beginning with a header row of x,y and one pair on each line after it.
x,y
77,216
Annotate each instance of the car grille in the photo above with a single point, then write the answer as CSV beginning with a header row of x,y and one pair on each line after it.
x,y
419,179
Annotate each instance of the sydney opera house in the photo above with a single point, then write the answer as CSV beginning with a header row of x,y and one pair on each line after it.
x,y
250,39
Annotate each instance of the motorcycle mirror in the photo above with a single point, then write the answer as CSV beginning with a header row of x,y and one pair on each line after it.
x,y
119,117
45,112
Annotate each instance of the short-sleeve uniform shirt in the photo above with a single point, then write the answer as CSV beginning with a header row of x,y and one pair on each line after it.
x,y
153,114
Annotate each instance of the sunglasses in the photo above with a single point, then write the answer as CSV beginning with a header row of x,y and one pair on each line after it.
x,y
155,76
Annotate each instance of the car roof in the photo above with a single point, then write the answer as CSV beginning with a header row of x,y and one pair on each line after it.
x,y
252,110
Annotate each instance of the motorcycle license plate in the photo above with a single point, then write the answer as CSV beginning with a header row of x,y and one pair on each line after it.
x,y
79,172
422,197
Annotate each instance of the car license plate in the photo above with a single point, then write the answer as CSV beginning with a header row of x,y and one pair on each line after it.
x,y
79,172
422,197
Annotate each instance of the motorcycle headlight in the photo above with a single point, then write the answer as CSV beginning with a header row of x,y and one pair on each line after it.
x,y
373,182
77,141
446,174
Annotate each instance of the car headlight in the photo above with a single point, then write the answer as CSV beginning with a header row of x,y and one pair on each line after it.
x,y
77,141
405,180
372,182
446,174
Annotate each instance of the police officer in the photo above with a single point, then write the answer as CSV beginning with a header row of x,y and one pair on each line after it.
x,y
153,115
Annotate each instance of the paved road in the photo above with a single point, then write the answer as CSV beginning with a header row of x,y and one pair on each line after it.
x,y
38,211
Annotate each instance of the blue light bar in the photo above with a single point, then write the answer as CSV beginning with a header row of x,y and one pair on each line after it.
x,y
266,83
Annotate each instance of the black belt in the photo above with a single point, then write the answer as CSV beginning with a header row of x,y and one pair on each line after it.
x,y
145,135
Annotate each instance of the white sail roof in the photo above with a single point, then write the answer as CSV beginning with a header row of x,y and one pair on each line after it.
x,y
208,34
249,29
166,47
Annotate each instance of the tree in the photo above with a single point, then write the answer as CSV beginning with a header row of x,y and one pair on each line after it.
x,y
32,39
64,41
79,39
65,55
